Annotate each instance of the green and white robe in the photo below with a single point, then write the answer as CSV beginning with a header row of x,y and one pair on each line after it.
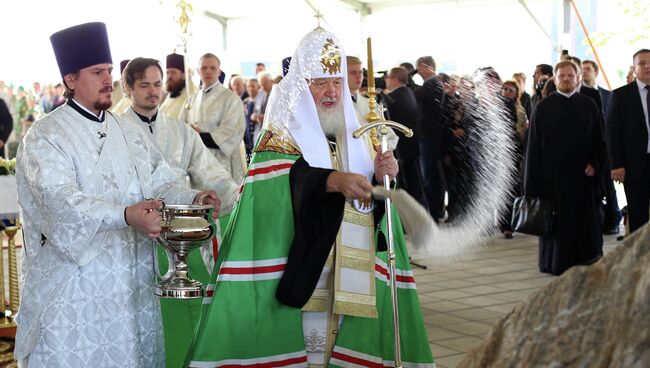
x,y
244,324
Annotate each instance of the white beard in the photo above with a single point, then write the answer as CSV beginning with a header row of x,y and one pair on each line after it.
x,y
332,121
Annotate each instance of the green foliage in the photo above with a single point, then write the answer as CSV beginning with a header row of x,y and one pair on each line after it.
x,y
637,25
7,167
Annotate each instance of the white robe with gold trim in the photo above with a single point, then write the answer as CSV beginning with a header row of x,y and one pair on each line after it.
x,y
220,113
174,106
185,152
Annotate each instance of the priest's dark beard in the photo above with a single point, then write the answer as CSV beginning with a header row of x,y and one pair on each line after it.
x,y
101,106
332,120
174,88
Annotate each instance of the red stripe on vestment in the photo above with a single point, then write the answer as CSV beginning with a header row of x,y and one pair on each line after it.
x,y
354,360
264,170
399,278
252,270
279,363
215,248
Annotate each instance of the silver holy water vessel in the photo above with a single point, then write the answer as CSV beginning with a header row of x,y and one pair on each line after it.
x,y
183,228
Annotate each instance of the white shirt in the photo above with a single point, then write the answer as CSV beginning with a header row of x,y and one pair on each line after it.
x,y
567,95
644,102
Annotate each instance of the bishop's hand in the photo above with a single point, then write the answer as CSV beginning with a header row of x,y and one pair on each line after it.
x,y
352,186
144,217
385,164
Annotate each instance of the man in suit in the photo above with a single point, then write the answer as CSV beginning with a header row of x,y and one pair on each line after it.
x,y
590,92
589,76
403,108
541,74
628,142
602,96
430,98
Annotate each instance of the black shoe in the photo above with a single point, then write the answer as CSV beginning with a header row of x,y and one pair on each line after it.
x,y
507,234
611,230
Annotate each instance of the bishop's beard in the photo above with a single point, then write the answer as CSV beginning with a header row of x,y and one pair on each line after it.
x,y
332,121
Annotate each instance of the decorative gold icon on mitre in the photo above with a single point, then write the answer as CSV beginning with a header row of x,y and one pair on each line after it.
x,y
331,57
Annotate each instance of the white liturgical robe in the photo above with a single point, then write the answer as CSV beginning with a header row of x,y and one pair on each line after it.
x,y
120,107
88,277
219,114
174,106
188,156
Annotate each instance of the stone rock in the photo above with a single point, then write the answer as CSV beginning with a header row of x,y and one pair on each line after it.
x,y
595,316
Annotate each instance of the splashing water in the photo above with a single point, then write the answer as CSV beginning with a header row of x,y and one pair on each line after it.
x,y
493,154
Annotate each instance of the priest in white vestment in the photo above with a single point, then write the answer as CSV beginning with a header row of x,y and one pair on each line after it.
x,y
217,114
177,91
179,144
83,176
120,100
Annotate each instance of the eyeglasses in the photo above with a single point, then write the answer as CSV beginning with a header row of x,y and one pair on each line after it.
x,y
511,90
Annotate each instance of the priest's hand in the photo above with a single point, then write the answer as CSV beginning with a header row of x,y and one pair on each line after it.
x,y
618,174
210,198
590,171
144,217
385,164
352,186
196,128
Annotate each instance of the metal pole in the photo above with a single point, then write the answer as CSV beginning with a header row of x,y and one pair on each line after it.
x,y
391,256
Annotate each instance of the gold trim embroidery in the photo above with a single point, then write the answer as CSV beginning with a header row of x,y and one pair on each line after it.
x,y
353,309
315,305
354,217
359,264
273,142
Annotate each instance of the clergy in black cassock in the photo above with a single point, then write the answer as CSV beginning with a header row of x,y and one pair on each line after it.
x,y
563,165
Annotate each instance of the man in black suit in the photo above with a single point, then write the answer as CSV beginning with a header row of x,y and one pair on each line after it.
x,y
541,74
403,108
430,98
612,213
589,76
411,70
6,125
590,92
628,142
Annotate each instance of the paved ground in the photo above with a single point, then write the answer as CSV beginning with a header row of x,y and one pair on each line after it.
x,y
461,301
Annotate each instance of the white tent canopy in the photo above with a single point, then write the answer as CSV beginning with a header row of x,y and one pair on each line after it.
x,y
460,34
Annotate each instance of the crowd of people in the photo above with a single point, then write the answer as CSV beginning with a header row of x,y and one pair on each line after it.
x,y
277,155
25,106
437,166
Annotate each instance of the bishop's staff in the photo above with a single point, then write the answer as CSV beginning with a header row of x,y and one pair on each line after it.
x,y
380,127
